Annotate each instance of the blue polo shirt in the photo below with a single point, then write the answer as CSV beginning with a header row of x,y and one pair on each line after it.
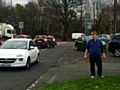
x,y
95,48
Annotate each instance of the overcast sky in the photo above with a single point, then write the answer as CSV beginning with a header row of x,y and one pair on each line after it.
x,y
20,2
23,2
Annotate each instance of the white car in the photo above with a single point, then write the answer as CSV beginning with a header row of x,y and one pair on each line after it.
x,y
18,53
75,36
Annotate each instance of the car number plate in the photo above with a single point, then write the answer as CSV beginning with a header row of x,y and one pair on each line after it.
x,y
39,41
5,65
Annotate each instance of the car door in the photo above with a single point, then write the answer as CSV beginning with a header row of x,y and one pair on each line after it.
x,y
104,38
83,42
116,41
100,36
78,42
32,52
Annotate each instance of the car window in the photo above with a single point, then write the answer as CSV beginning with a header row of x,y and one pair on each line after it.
x,y
3,39
99,36
116,37
80,39
104,37
9,31
31,43
19,36
14,45
28,37
83,39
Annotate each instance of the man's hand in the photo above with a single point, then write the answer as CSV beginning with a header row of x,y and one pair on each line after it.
x,y
103,55
85,56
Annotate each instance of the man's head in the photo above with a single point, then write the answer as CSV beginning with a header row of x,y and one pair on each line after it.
x,y
94,35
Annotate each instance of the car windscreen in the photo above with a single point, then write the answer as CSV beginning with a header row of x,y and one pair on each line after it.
x,y
14,45
19,36
89,37
3,39
13,32
116,37
41,36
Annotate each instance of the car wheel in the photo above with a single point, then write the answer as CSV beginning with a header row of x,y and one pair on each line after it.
x,y
77,48
38,59
27,64
48,45
53,46
117,52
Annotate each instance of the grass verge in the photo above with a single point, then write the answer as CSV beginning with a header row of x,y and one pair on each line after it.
x,y
106,83
106,46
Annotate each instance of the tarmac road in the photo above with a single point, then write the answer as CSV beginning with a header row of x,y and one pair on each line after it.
x,y
19,79
57,64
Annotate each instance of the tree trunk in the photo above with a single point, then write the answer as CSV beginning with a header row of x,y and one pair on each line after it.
x,y
65,33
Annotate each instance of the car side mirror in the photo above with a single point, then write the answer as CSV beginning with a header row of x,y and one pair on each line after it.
x,y
31,47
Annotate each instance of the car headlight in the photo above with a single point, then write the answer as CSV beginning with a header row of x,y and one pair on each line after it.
x,y
20,55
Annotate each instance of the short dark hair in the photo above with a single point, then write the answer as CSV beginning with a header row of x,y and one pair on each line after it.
x,y
93,32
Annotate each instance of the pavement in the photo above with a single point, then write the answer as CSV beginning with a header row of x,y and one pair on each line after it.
x,y
73,66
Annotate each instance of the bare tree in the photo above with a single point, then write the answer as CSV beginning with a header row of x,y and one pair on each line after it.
x,y
63,10
98,6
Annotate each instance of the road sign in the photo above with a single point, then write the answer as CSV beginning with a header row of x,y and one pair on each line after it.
x,y
21,25
87,20
89,25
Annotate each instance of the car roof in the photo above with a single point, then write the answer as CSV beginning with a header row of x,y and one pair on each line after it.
x,y
103,34
23,35
52,36
41,35
19,39
117,34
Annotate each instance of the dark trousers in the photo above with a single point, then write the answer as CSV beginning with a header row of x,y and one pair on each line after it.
x,y
96,60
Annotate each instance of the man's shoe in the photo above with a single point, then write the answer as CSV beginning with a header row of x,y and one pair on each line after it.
x,y
92,76
102,76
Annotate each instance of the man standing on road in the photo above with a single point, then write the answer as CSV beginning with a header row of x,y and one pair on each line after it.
x,y
95,49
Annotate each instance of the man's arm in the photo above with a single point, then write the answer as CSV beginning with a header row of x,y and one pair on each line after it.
x,y
86,53
102,50
103,55
86,50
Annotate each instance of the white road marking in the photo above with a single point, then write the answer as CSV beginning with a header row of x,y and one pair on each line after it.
x,y
59,43
43,50
34,84
52,79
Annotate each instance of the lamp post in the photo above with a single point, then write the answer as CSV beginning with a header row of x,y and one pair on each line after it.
x,y
115,15
81,18
87,16
94,15
11,20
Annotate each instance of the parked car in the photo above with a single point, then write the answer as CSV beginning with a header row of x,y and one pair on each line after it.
x,y
104,37
80,44
44,41
23,36
2,40
114,45
53,39
75,36
18,53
